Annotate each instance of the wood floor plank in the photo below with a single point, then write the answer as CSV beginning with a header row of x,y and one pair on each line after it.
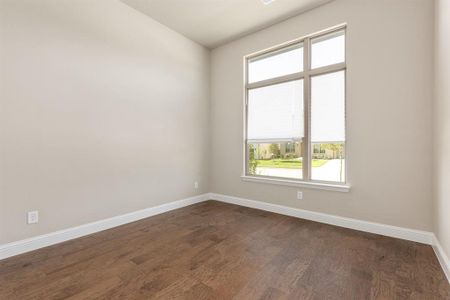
x,y
214,250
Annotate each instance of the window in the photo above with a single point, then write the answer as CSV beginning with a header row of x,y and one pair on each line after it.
x,y
295,110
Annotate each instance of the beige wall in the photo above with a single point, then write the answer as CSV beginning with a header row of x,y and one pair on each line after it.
x,y
103,112
390,58
442,124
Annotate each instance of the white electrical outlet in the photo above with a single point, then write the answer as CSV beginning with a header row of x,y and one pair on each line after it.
x,y
299,195
196,185
33,217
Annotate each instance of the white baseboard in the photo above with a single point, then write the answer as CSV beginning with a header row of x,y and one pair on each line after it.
x,y
424,237
442,257
15,248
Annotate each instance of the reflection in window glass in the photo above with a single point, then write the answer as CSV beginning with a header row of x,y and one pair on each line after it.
x,y
328,49
279,63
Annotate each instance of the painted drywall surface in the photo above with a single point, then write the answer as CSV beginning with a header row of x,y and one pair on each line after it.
x,y
442,124
103,112
389,97
215,22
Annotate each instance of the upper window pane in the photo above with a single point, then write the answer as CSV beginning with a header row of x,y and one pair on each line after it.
x,y
328,49
283,62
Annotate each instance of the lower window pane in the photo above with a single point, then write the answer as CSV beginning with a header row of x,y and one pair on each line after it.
x,y
328,162
277,159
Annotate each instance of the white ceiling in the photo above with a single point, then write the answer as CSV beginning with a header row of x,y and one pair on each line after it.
x,y
214,22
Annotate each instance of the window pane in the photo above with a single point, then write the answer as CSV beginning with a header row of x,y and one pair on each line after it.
x,y
328,49
328,162
275,112
276,159
328,126
279,63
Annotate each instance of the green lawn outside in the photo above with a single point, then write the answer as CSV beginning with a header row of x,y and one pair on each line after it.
x,y
288,163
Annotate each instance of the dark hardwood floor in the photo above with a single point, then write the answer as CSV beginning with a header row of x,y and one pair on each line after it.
x,y
214,250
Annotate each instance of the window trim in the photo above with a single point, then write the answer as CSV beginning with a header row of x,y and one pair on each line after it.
x,y
306,74
345,188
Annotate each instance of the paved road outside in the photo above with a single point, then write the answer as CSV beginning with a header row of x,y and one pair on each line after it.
x,y
330,171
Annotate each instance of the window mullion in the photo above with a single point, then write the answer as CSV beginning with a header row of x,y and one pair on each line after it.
x,y
275,80
306,162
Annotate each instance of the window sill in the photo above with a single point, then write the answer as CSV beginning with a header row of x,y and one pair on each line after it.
x,y
295,183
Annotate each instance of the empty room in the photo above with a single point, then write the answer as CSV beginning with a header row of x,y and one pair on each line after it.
x,y
224,149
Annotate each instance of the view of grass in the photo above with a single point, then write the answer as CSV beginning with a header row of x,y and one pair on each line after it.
x,y
287,163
